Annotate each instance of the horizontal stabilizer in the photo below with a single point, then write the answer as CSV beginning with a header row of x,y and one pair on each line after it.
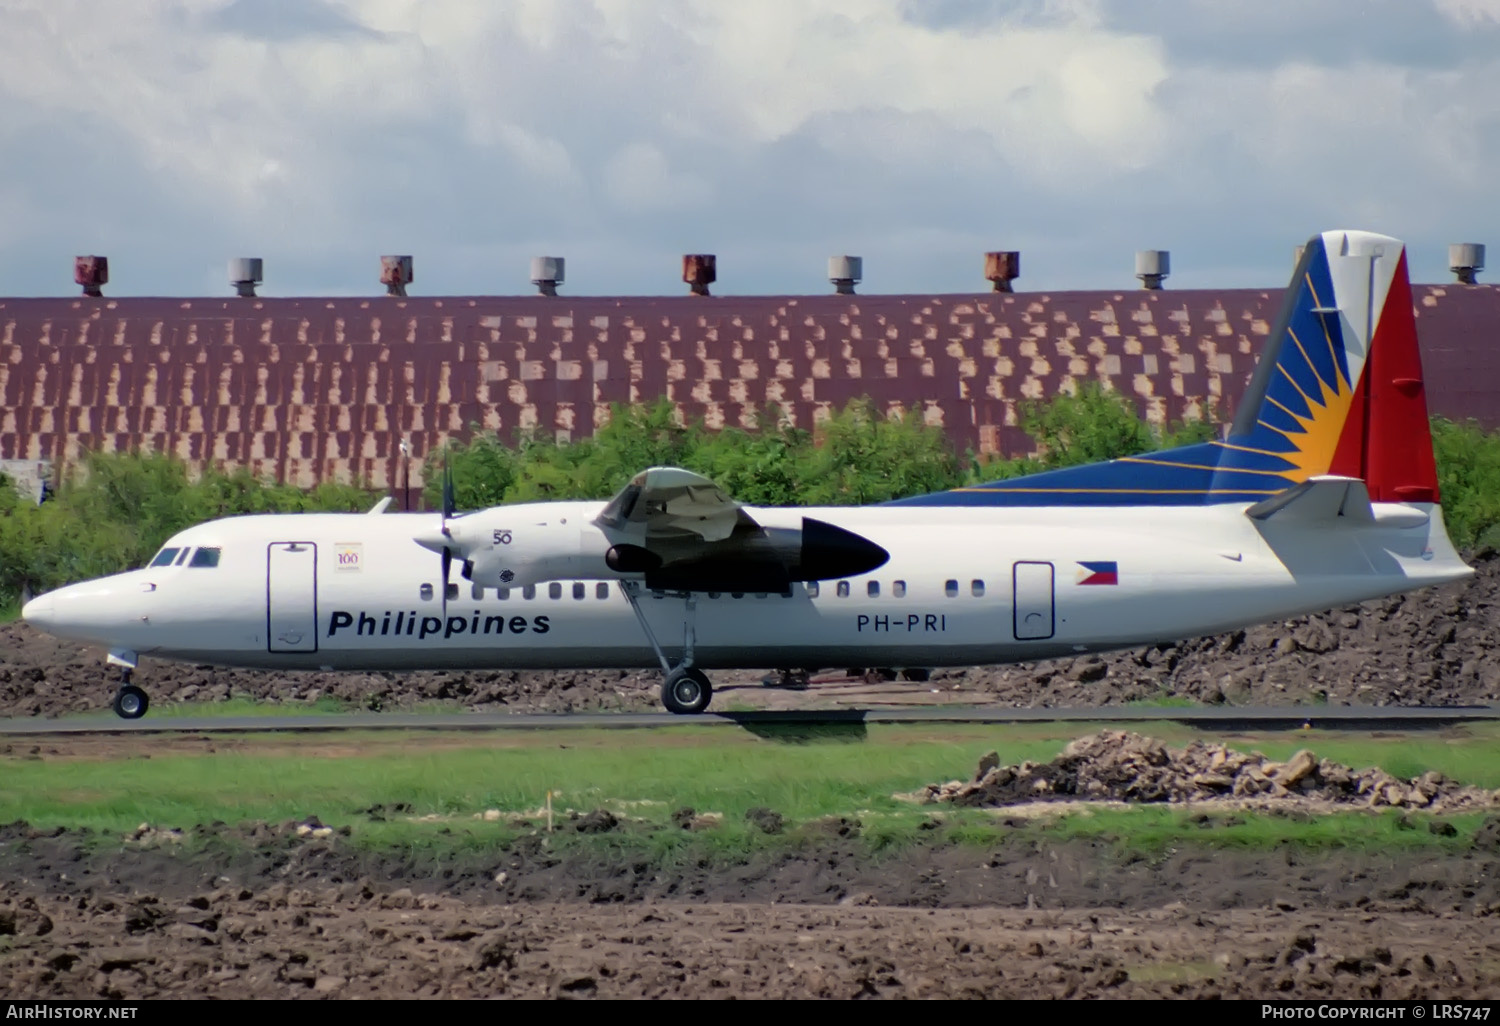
x,y
1318,500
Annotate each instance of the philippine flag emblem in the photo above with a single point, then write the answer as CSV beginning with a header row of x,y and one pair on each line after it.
x,y
1099,573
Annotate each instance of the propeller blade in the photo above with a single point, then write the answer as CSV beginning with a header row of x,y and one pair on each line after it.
x,y
449,507
447,564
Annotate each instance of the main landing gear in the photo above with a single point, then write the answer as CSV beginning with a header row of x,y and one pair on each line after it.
x,y
790,680
686,690
130,701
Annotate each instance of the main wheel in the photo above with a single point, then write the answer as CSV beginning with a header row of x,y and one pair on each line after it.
x,y
686,692
131,703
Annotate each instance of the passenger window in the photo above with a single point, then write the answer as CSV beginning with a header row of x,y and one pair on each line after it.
x,y
873,589
554,590
843,589
715,594
528,592
812,589
737,594
205,558
580,590
477,591
426,592
502,594
183,557
951,589
898,589
977,589
451,591
165,557
601,590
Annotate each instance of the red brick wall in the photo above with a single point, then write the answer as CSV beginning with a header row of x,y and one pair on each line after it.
x,y
311,389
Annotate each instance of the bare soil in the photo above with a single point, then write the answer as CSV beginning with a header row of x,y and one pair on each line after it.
x,y
1431,647
266,911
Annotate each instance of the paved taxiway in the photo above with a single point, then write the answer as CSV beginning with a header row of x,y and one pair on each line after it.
x,y
1216,717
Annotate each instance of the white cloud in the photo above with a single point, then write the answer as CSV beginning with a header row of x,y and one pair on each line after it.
x,y
639,178
313,130
1468,12
1060,91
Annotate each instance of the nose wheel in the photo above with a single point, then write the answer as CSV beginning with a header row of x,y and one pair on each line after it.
x,y
130,701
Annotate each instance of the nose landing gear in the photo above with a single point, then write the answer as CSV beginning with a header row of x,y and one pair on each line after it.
x,y
130,701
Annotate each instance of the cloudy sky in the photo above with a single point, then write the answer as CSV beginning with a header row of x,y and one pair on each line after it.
x,y
171,135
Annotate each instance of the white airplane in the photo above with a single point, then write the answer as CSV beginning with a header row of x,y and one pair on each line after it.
x,y
1324,493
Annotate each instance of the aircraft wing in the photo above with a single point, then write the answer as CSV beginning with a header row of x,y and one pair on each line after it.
x,y
682,532
664,502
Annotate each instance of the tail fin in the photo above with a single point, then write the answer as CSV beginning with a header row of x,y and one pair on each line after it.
x,y
1337,392
1339,389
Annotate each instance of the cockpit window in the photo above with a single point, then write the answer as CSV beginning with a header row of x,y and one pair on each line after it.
x,y
165,557
205,557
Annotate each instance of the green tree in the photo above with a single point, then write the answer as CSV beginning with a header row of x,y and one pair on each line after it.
x,y
765,467
863,457
1090,426
1468,465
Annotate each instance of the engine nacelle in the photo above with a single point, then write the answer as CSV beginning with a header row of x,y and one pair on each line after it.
x,y
520,546
761,560
631,559
531,552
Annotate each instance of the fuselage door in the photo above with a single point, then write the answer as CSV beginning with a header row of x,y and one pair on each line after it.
x,y
1035,611
292,597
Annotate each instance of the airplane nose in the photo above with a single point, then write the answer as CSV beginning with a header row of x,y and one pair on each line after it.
x,y
40,612
93,611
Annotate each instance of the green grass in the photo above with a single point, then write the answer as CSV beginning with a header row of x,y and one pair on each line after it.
x,y
1173,972
238,706
1165,700
806,774
803,774
1160,829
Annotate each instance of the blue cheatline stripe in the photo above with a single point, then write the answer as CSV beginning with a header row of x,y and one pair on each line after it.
x,y
1017,499
1201,474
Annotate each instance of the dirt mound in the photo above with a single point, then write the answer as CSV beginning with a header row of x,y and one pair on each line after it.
x,y
1123,766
